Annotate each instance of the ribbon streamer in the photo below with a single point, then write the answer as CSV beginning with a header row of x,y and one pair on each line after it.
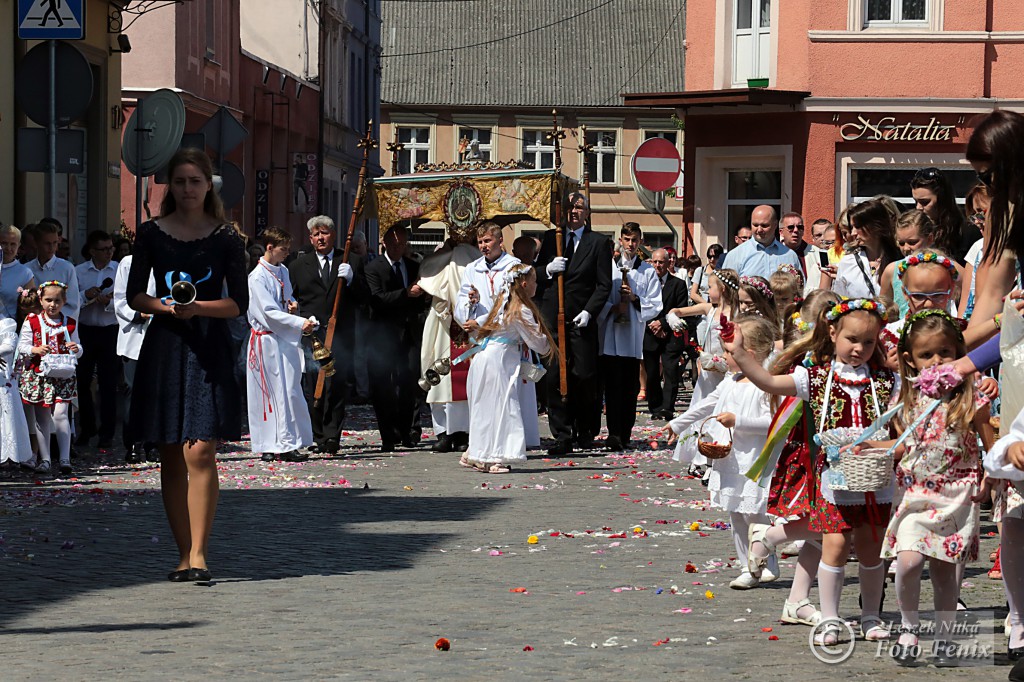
x,y
182,277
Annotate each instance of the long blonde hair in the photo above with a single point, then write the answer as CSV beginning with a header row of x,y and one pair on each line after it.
x,y
508,307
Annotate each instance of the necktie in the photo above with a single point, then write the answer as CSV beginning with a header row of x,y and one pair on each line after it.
x,y
325,272
398,272
571,248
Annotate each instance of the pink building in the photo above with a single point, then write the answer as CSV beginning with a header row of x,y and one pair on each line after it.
x,y
810,105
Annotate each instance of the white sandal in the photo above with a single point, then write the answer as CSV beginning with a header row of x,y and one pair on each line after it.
x,y
757,533
791,613
874,629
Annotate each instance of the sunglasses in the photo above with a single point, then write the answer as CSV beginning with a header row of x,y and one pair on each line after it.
x,y
925,296
796,227
927,174
985,177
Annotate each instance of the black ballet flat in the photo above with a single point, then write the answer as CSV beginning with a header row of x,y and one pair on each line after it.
x,y
199,575
179,576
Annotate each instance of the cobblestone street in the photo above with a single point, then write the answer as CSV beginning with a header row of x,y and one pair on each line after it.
x,y
352,568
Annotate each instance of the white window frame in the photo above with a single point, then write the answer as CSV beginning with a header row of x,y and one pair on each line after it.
x,y
857,19
601,150
532,153
490,148
417,146
896,16
758,33
846,163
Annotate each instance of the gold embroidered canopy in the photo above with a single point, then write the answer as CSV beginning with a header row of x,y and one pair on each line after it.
x,y
462,198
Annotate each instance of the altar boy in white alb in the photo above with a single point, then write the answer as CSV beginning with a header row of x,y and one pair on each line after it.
x,y
278,416
635,299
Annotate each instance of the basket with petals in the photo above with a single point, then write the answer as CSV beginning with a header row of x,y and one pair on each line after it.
x,y
711,449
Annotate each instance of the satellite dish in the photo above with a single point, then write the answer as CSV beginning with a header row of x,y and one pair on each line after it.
x,y
654,202
163,122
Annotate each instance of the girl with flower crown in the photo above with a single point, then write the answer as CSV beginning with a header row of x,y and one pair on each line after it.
x,y
846,388
939,473
497,438
42,334
755,297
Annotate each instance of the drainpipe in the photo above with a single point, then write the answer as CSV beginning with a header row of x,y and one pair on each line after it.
x,y
990,50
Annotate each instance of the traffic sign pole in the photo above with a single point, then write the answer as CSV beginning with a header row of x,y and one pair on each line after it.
x,y
51,136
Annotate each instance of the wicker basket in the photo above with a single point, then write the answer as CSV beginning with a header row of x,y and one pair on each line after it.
x,y
710,449
868,471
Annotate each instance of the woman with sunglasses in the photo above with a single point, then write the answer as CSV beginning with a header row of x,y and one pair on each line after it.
x,y
702,276
933,193
995,150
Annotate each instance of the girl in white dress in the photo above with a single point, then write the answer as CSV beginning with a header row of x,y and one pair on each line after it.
x,y
14,441
741,406
496,434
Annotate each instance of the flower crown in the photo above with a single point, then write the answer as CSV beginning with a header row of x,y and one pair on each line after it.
x,y
727,281
791,270
799,324
52,283
922,314
854,304
927,257
513,273
758,284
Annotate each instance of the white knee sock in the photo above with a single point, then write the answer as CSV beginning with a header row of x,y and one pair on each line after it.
x,y
44,427
830,588
803,577
740,525
62,425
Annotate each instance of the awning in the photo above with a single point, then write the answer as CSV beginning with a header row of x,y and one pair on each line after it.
x,y
715,98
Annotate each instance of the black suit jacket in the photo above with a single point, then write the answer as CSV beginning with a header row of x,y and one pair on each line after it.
x,y
588,278
673,295
392,311
318,300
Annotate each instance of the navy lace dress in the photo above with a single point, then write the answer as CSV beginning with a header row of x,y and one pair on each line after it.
x,y
185,388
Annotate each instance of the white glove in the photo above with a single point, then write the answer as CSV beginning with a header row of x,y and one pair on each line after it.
x,y
345,270
581,320
556,266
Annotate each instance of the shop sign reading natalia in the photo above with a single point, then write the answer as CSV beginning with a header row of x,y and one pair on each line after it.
x,y
886,129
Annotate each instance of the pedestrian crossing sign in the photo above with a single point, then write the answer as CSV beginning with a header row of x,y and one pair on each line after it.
x,y
51,19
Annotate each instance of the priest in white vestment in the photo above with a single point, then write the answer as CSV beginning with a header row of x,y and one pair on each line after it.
x,y
441,277
635,299
279,420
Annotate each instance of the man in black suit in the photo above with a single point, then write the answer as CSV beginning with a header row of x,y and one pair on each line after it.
x,y
397,307
315,279
586,267
662,347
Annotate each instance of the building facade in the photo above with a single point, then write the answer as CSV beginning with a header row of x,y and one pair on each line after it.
x,y
84,201
457,84
810,105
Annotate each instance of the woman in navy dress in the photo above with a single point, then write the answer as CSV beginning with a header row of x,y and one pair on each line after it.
x,y
186,361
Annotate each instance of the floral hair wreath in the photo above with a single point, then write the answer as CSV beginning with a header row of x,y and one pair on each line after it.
x,y
52,283
927,257
853,304
791,270
799,324
726,280
763,288
514,273
922,314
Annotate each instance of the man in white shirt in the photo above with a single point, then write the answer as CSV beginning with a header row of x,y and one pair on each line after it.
x,y
47,267
819,244
13,275
131,330
634,300
481,280
97,327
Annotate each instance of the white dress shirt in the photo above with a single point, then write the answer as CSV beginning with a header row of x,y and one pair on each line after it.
x,y
95,314
62,271
131,328
13,276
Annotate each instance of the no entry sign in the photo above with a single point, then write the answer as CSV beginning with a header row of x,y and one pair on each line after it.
x,y
656,164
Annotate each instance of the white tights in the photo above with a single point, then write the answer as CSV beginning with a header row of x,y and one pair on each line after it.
x,y
740,525
1012,561
909,566
47,422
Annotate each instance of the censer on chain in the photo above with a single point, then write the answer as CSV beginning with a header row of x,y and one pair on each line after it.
x,y
323,356
432,377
